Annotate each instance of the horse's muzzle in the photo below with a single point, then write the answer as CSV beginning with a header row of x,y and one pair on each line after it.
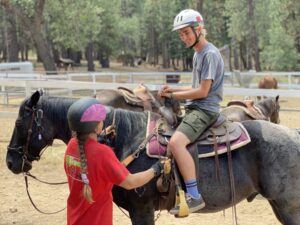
x,y
17,163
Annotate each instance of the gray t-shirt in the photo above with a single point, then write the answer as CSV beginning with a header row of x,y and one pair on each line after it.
x,y
208,65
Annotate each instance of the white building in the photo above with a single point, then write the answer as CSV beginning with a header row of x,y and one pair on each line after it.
x,y
16,67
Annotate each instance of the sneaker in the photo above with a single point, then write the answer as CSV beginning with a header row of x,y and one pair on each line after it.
x,y
193,204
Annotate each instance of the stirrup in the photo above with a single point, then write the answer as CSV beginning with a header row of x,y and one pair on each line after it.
x,y
183,207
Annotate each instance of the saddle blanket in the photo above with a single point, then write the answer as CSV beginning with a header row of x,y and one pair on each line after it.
x,y
208,150
155,149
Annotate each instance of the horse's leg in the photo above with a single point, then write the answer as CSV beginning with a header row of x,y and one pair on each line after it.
x,y
275,210
285,213
142,214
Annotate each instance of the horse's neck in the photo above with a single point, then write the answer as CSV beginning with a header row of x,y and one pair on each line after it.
x,y
131,131
56,112
265,110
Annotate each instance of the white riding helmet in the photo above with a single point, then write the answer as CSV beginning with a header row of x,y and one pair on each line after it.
x,y
187,18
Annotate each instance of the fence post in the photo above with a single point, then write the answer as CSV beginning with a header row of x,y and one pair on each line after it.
x,y
114,78
5,95
27,89
69,78
289,81
94,81
130,78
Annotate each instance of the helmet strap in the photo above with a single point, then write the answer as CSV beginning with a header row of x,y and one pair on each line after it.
x,y
196,36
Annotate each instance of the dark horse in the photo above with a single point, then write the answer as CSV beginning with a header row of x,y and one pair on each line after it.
x,y
268,165
116,99
266,109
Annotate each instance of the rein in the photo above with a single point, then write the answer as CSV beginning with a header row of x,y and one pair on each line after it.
x,y
141,147
29,196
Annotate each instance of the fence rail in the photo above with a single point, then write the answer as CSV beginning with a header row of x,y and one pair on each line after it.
x,y
22,84
235,77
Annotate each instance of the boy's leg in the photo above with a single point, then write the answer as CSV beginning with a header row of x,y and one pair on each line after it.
x,y
192,125
186,166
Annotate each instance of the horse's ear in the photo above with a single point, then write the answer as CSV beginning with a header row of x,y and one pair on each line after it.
x,y
277,98
41,91
34,99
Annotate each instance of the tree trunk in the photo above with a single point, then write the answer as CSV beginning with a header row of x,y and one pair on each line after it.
x,y
44,52
199,5
249,55
236,61
26,52
165,55
33,25
74,55
229,57
242,55
253,51
89,57
11,39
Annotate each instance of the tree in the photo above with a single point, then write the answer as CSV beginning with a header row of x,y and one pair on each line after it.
x,y
30,14
11,39
280,52
75,25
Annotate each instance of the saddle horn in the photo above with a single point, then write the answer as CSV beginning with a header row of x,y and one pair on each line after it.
x,y
165,112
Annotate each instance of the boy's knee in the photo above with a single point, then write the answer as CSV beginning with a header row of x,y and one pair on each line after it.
x,y
175,144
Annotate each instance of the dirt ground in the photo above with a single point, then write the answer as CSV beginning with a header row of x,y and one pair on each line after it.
x,y
15,207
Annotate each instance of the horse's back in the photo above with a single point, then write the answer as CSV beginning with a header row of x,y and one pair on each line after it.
x,y
235,114
271,132
268,82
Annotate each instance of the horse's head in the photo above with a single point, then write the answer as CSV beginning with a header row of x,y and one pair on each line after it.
x,y
32,133
271,108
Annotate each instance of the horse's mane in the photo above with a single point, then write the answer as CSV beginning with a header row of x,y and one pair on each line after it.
x,y
56,108
130,130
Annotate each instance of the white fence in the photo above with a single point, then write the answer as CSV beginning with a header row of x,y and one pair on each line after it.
x,y
236,78
22,84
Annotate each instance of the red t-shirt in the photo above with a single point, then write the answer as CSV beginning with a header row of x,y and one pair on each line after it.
x,y
104,170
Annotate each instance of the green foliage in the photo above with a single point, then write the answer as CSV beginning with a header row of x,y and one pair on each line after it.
x,y
279,53
27,6
215,21
143,27
236,11
73,24
276,28
108,39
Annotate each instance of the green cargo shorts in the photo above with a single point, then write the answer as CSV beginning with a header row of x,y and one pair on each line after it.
x,y
195,121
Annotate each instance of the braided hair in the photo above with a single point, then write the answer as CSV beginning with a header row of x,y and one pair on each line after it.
x,y
84,116
86,191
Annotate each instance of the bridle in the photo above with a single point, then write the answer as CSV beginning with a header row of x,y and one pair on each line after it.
x,y
27,157
268,116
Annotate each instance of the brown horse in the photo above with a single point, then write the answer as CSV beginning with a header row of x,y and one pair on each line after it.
x,y
267,82
138,101
266,109
141,99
